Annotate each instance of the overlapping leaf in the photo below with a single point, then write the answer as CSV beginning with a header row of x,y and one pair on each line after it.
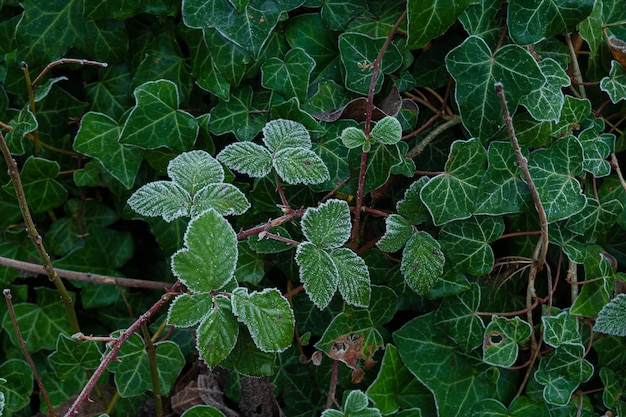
x,y
289,77
422,262
596,149
545,103
428,19
611,317
502,339
476,69
217,333
71,357
562,372
456,318
595,219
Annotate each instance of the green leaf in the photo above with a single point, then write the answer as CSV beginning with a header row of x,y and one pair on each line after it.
x,y
561,330
98,138
18,384
71,357
615,84
318,273
398,231
336,14
448,373
289,77
268,245
411,206
250,264
247,359
428,19
501,340
24,123
358,53
595,219
395,387
124,9
249,28
611,317
387,131
202,411
596,293
451,196
189,309
466,243
268,316
218,332
545,103
596,149
247,157
161,199
553,172
282,134
562,372
208,260
132,371
300,166
328,225
510,65
226,199
530,23
502,190
422,262
194,170
236,116
613,387
354,404
353,137
354,277
156,121
381,160
111,94
456,318
483,19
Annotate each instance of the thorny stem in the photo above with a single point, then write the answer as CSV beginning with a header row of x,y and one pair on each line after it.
x,y
35,237
29,359
85,276
270,224
116,346
368,122
283,198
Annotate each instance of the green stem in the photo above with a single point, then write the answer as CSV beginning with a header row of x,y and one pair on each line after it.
x,y
35,237
31,101
154,372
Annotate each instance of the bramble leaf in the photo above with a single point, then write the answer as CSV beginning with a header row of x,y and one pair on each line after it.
x,y
217,333
422,262
318,273
195,169
328,225
282,134
189,309
300,166
354,277
387,131
398,231
247,157
612,318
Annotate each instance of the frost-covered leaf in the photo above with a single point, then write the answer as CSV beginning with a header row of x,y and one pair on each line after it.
x,y
189,309
612,318
422,262
195,169
354,277
247,157
226,199
268,316
208,260
411,206
328,225
161,199
353,137
398,231
561,330
318,273
300,166
596,149
387,131
218,332
615,84
280,134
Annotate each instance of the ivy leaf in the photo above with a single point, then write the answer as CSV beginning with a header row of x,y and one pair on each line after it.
x,y
110,95
456,318
318,273
24,123
189,309
268,316
451,196
596,149
510,65
208,260
300,166
611,317
396,387
595,219
202,411
553,171
398,231
615,84
448,373
289,77
466,243
439,15
218,332
156,121
336,14
562,372
597,293
71,357
501,340
18,384
545,103
263,245
247,157
132,371
422,262
358,52
387,131
236,115
411,206
502,190
561,330
98,138
354,277
328,225
531,23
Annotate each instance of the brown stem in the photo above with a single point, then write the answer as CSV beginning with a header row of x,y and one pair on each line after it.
x,y
116,346
332,391
419,148
35,237
51,65
29,359
85,276
575,67
271,224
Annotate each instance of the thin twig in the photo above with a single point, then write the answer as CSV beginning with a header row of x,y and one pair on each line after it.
x,y
35,237
154,372
332,391
29,359
618,171
51,65
270,224
575,67
85,276
116,347
419,148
